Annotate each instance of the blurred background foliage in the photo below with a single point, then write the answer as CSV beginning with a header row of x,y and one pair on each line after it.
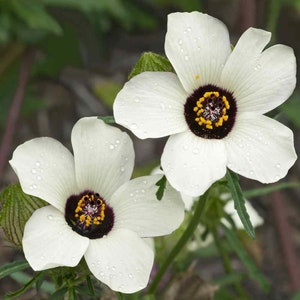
x,y
86,49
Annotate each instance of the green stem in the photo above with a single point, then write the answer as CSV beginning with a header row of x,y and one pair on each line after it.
x,y
226,261
222,251
200,207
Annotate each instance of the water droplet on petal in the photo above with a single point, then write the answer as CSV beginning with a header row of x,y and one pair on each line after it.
x,y
122,169
133,126
101,274
38,164
186,57
50,217
113,268
180,42
136,99
278,166
39,177
33,171
196,151
162,106
130,275
117,141
111,147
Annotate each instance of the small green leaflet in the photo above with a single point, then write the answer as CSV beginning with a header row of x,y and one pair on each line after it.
x,y
239,202
108,119
150,61
13,267
161,183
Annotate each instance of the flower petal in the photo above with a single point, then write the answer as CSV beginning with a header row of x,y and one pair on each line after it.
x,y
198,46
151,105
265,79
103,154
137,208
121,260
192,164
260,148
46,170
49,242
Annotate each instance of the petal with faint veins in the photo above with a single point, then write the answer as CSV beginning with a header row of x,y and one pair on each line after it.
x,y
260,148
192,164
151,105
122,260
103,154
49,242
137,208
45,169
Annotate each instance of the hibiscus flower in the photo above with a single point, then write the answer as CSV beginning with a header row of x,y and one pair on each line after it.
x,y
213,107
94,211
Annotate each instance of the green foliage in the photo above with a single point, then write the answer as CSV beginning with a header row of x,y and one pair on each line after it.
x,y
107,91
17,207
161,183
291,109
239,202
253,271
150,61
13,267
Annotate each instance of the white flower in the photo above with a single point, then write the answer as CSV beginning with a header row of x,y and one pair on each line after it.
x,y
94,211
213,106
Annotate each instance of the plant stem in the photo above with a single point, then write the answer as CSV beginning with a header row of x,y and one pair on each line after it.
x,y
222,251
200,207
226,261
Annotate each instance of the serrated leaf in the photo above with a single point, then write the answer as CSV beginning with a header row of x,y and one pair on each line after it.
x,y
17,207
239,202
150,61
161,183
254,271
13,267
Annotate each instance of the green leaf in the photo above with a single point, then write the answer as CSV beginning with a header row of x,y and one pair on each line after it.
x,y
17,207
34,14
150,61
59,294
13,267
254,271
161,183
239,202
108,119
23,289
270,189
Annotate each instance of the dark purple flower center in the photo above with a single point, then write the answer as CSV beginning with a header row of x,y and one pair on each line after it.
x,y
89,215
210,112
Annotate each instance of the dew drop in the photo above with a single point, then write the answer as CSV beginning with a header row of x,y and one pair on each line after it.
x,y
113,268
145,182
111,147
278,166
136,99
101,274
162,106
186,57
117,141
39,177
37,163
251,172
143,191
131,194
50,217
130,275
93,265
180,42
122,169
185,147
133,126
33,171
196,151
73,258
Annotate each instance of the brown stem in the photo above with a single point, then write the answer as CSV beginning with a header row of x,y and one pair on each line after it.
x,y
12,118
286,243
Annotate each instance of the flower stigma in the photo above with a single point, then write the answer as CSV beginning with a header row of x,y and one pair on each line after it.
x,y
210,112
89,215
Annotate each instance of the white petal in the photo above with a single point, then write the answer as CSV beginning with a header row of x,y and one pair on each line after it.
x,y
244,59
50,242
192,164
103,154
255,218
137,208
260,148
260,81
121,260
198,46
46,170
151,105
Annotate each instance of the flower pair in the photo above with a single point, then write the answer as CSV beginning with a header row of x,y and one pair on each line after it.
x,y
212,108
